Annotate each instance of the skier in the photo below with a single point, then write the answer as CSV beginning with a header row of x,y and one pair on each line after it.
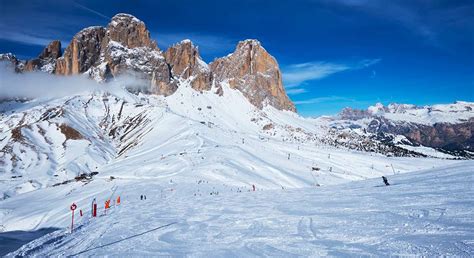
x,y
385,180
141,197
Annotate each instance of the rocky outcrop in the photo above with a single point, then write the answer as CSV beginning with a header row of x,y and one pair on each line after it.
x,y
124,48
186,63
11,61
129,31
162,82
52,51
354,114
448,127
255,73
46,60
83,52
447,136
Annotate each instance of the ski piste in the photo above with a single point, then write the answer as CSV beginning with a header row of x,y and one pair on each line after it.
x,y
346,219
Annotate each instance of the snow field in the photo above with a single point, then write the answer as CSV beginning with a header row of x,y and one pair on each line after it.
x,y
427,213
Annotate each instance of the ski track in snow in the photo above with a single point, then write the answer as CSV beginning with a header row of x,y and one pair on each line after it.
x,y
424,213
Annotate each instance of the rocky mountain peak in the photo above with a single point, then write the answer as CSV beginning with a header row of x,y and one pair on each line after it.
x,y
46,61
83,51
186,63
52,50
248,44
124,47
10,60
129,31
353,114
253,71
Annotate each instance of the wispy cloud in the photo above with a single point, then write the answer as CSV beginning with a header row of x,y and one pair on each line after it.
x,y
424,18
28,39
323,100
24,38
91,10
295,91
41,23
296,74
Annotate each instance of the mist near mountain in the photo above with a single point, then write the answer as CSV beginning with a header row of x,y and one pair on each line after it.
x,y
37,84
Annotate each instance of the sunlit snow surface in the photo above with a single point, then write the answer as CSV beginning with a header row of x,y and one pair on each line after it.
x,y
424,213
180,149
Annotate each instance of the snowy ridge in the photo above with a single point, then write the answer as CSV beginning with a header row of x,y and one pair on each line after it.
x,y
457,112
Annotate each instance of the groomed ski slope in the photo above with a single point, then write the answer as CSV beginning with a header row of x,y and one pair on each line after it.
x,y
428,213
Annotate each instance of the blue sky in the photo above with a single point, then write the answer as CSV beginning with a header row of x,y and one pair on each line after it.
x,y
333,53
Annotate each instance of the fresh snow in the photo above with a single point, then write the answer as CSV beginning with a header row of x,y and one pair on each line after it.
x,y
427,213
179,149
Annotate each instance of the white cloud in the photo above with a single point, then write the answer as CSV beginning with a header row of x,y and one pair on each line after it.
x,y
295,91
28,39
296,74
43,85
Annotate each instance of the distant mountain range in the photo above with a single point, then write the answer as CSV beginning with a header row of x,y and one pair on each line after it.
x,y
446,127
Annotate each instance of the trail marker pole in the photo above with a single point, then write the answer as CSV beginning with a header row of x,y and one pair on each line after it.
x,y
73,207
94,208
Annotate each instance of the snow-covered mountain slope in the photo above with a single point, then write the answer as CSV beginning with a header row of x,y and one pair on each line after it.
x,y
187,135
447,128
428,213
458,112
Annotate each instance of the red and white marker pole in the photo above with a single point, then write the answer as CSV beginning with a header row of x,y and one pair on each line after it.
x,y
73,207
94,208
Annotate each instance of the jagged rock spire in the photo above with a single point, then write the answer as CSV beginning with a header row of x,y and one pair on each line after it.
x,y
129,31
83,51
185,62
253,71
53,50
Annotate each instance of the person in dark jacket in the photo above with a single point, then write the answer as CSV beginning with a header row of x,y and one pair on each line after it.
x,y
385,180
